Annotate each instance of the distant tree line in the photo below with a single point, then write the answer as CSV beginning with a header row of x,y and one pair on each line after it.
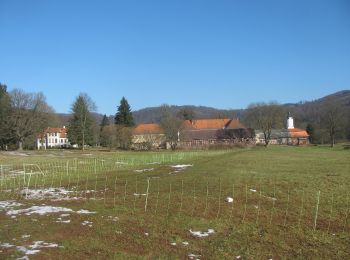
x,y
23,116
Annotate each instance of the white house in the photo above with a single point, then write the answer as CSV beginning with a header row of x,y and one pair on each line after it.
x,y
53,138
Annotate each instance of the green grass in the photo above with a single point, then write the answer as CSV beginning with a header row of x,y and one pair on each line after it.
x,y
255,226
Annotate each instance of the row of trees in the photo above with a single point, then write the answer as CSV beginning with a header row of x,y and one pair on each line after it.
x,y
22,116
330,122
82,126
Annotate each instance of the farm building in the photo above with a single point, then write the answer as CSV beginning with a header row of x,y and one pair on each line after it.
x,y
288,136
201,133
53,138
147,137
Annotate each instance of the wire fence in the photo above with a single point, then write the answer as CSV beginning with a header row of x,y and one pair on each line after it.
x,y
238,202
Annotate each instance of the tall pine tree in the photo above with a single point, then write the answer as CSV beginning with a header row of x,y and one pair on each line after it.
x,y
80,130
124,116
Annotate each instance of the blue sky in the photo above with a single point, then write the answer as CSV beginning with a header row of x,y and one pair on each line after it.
x,y
224,54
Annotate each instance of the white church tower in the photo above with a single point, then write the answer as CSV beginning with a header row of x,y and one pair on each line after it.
x,y
290,122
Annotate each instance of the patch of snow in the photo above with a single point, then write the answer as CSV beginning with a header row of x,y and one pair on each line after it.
x,y
202,233
185,243
27,251
193,256
181,166
118,232
252,190
9,204
140,194
23,258
63,221
144,170
146,234
229,199
41,210
87,223
238,257
25,236
50,193
64,215
84,211
150,163
6,245
173,244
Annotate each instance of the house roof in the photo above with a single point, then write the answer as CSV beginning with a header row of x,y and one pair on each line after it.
x,y
61,130
192,125
298,133
212,123
147,129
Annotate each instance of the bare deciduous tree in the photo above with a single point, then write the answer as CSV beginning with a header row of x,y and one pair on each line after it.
x,y
264,117
29,115
332,118
171,125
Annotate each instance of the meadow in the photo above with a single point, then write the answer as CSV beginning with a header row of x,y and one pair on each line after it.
x,y
282,202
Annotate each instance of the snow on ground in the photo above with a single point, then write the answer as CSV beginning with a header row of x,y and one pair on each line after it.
x,y
193,256
144,170
50,193
9,204
84,211
87,223
43,210
202,233
229,199
140,194
30,249
181,166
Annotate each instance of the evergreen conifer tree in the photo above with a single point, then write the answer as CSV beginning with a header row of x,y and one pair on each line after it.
x,y
80,130
124,116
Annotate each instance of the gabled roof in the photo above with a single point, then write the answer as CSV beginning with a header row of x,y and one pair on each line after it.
x,y
147,129
50,130
207,123
298,133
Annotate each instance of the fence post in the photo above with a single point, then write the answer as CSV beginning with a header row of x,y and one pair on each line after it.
x,y
317,205
147,194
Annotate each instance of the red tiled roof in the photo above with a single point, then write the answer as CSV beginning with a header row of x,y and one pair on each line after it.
x,y
206,123
147,129
61,130
235,124
298,133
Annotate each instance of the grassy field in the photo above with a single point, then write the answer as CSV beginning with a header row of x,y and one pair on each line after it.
x,y
288,202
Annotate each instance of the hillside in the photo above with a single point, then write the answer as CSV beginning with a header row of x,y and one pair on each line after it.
x,y
302,111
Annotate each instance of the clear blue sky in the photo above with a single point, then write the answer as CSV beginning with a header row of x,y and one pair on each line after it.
x,y
224,54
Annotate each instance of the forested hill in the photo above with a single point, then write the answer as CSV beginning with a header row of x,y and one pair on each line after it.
x,y
303,111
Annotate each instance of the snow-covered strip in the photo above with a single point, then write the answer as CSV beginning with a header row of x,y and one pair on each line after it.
x,y
6,204
41,210
84,211
50,193
202,233
87,223
252,190
140,194
151,163
144,170
6,245
193,256
181,166
35,248
60,220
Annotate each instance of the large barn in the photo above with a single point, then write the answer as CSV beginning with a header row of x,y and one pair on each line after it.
x,y
201,133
